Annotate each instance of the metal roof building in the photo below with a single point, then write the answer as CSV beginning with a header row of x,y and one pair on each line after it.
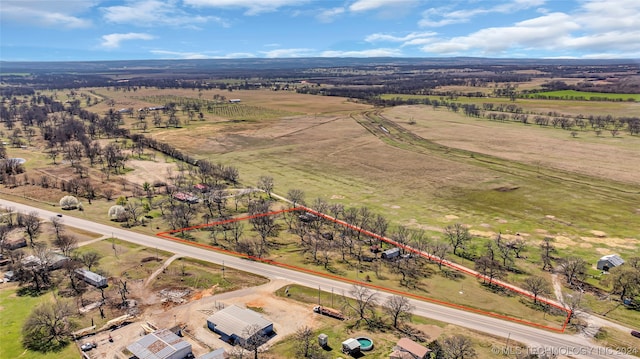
x,y
216,354
161,344
609,261
233,323
350,346
92,278
408,349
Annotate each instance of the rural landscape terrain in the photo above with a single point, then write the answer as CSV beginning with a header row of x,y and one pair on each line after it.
x,y
383,193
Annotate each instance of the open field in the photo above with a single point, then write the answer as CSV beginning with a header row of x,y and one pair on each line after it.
x,y
13,311
588,96
605,157
541,106
275,100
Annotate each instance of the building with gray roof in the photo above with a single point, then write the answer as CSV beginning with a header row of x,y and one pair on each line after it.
x,y
92,278
161,344
609,261
238,325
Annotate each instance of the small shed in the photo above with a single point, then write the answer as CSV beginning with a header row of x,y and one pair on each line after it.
x,y
350,346
161,344
609,261
92,278
408,349
323,340
391,253
233,322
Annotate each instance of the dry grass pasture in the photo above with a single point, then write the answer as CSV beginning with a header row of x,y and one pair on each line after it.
x,y
605,157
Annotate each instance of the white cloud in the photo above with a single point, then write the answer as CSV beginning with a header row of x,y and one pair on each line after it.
x,y
596,29
113,41
201,55
47,13
366,5
253,7
392,38
149,13
329,15
441,16
609,15
545,32
181,55
363,53
288,53
237,55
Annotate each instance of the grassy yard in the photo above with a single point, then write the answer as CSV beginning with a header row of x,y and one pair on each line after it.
x,y
13,311
197,274
384,339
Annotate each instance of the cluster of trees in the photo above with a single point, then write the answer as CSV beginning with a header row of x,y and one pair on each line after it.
x,y
49,325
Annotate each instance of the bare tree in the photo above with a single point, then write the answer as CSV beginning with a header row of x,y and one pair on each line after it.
x,y
573,302
89,259
237,229
133,210
4,233
517,246
265,225
304,342
77,285
458,235
58,226
574,268
36,272
398,308
265,183
458,347
537,286
489,268
49,326
546,250
31,223
66,243
254,339
440,249
296,196
363,303
504,251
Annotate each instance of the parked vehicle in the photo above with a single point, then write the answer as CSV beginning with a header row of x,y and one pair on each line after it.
x,y
635,333
87,346
330,312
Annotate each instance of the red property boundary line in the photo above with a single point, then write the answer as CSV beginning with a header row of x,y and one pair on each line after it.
x,y
168,235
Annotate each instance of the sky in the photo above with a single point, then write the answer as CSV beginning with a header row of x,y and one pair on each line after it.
x,y
88,30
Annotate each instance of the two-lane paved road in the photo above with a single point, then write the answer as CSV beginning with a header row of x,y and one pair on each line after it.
x,y
563,344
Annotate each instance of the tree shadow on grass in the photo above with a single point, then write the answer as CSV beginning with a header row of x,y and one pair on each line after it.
x,y
29,292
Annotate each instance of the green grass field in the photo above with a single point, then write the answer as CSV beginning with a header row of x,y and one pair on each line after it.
x,y
586,96
13,311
